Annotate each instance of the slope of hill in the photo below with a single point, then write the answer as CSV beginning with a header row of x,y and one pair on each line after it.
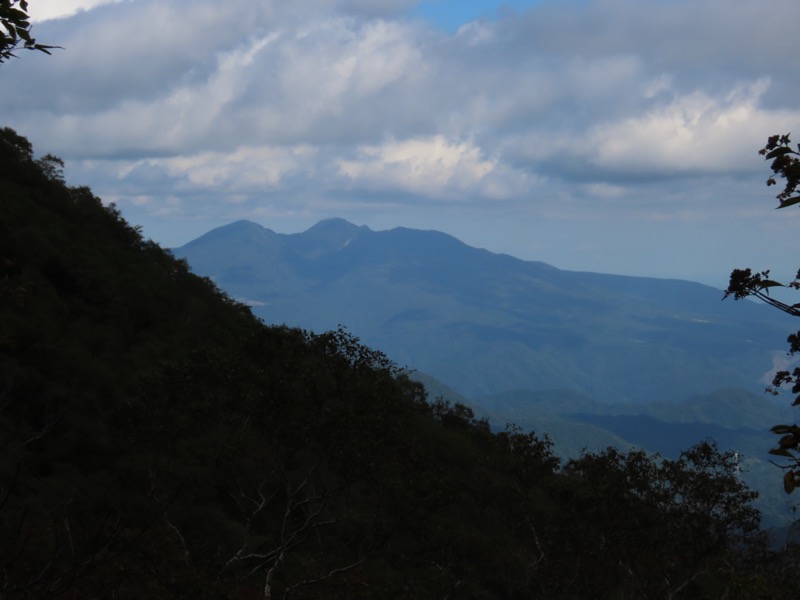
x,y
484,323
735,419
158,441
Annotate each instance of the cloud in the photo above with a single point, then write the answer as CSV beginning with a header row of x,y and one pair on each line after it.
x,y
43,10
570,111
148,93
433,167
693,134
248,170
170,77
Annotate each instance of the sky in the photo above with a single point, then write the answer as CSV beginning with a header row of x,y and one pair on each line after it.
x,y
615,136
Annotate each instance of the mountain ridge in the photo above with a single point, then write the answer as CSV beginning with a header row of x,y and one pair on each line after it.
x,y
484,323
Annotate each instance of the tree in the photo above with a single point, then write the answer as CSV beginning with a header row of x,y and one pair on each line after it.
x,y
744,283
651,527
16,29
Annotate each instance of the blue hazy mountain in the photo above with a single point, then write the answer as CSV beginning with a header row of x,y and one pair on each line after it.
x,y
485,323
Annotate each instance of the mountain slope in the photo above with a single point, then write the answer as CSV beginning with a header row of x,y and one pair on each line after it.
x,y
160,442
485,323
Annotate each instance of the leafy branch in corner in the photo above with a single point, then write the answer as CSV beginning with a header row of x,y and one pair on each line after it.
x,y
15,30
744,283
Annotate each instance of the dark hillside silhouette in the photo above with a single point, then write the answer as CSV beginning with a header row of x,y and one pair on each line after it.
x,y
158,441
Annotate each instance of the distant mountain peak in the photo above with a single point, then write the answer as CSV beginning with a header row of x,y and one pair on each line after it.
x,y
240,230
327,236
240,226
243,224
334,226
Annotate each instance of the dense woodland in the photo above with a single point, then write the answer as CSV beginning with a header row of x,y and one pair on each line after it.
x,y
159,441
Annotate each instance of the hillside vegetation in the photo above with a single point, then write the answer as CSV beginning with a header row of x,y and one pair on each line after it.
x,y
159,441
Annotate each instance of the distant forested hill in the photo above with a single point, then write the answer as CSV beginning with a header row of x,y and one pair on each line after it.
x,y
485,323
158,441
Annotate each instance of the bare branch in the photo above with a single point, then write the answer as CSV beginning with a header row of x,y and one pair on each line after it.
x,y
328,575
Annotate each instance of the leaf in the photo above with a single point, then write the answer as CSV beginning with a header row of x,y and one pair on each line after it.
x,y
788,482
779,429
780,452
789,202
780,151
17,15
769,283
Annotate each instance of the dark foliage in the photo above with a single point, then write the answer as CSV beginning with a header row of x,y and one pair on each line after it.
x,y
15,29
743,283
159,441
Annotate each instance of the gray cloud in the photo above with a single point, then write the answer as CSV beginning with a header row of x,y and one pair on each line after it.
x,y
183,109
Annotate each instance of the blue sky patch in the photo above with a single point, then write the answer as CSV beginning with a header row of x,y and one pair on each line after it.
x,y
449,15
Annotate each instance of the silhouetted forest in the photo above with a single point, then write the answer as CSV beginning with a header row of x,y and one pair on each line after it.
x,y
158,441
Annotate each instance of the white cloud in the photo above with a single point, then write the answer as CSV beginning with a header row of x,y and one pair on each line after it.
x,y
319,82
246,170
43,10
695,133
433,167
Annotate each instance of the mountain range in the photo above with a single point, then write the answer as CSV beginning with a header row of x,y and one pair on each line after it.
x,y
486,323
592,360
